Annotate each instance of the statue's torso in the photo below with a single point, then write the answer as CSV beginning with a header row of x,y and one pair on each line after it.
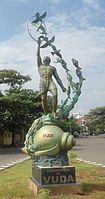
x,y
46,72
46,82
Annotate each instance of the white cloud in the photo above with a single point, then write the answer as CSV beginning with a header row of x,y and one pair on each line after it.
x,y
90,13
88,46
18,53
92,3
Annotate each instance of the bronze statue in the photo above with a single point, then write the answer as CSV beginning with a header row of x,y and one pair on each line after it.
x,y
46,72
37,30
46,141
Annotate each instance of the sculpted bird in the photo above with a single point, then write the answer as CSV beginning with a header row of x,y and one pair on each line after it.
x,y
63,63
49,42
42,29
39,17
79,74
78,69
57,52
75,63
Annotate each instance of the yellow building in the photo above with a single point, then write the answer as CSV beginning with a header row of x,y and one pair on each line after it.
x,y
7,138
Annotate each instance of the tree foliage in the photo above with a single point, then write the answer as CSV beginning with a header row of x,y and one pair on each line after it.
x,y
72,126
96,120
18,106
13,78
18,109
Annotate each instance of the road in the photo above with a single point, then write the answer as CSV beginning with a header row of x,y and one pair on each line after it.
x,y
10,156
91,148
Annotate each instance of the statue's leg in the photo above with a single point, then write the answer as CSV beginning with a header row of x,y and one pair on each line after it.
x,y
53,90
44,102
43,94
54,104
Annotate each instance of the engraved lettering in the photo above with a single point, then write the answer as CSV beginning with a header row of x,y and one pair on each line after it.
x,y
63,179
48,135
55,179
46,179
70,179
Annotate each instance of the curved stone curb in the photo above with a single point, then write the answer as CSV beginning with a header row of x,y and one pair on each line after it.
x,y
13,163
90,162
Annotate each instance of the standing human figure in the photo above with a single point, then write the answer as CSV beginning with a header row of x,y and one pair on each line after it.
x,y
46,71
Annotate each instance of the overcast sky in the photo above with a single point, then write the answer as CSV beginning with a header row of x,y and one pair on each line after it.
x,y
79,27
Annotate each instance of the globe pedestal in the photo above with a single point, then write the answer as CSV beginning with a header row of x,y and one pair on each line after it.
x,y
48,145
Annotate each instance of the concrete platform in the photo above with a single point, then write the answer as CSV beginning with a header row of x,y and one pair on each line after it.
x,y
56,189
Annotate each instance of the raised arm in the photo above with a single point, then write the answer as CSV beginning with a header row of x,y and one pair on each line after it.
x,y
59,80
39,61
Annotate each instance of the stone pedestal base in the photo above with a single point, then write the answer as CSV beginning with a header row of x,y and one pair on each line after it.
x,y
54,175
55,189
58,180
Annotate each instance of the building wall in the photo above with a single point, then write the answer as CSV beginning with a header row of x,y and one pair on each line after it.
x,y
7,138
1,138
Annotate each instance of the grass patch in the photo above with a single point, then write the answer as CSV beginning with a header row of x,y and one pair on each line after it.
x,y
14,182
43,194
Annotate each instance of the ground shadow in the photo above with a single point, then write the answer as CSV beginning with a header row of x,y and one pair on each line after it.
x,y
91,187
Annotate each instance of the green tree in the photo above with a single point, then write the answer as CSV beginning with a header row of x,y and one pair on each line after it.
x,y
13,78
72,126
96,120
18,109
18,106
